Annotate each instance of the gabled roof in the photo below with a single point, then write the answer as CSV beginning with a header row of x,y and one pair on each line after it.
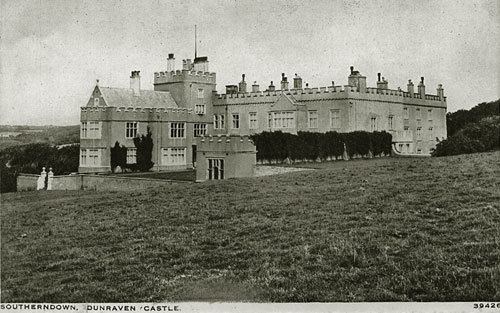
x,y
122,97
284,102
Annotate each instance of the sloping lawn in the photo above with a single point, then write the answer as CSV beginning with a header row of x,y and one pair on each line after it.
x,y
423,229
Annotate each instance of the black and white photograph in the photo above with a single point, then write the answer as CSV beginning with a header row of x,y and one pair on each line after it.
x,y
249,156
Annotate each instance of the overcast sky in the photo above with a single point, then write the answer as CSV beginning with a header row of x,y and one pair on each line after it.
x,y
53,51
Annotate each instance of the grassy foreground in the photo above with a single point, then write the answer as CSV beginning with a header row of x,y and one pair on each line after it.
x,y
422,229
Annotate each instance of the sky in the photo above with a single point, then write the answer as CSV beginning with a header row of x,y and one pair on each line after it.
x,y
52,52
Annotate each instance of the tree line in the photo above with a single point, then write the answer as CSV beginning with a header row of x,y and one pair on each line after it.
x,y
308,146
470,131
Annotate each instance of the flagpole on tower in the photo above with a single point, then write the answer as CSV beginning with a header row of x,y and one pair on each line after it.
x,y
195,42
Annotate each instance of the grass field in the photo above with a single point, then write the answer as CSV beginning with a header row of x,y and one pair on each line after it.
x,y
189,175
424,229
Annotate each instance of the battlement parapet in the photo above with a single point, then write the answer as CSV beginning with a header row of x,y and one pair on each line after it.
x,y
327,93
225,143
275,93
183,76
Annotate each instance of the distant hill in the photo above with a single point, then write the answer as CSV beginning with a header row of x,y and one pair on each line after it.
x,y
54,135
458,119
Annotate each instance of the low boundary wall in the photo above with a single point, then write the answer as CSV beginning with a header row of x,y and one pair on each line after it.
x,y
94,182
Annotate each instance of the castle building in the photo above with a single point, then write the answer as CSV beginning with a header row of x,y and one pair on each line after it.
x,y
185,105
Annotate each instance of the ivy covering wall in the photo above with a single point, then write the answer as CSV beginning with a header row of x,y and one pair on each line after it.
x,y
307,146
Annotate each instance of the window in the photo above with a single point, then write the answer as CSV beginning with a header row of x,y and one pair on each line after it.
x,y
96,101
84,130
177,130
335,119
215,168
429,116
94,157
200,93
173,156
90,130
406,113
199,109
270,120
219,121
419,133
252,120
200,129
391,122
418,114
222,124
131,155
312,119
236,120
90,157
131,130
83,157
406,132
216,122
431,133
283,119
373,124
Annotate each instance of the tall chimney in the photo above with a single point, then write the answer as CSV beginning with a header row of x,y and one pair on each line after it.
x,y
171,62
440,92
411,90
378,74
352,69
284,82
135,82
421,88
243,84
297,82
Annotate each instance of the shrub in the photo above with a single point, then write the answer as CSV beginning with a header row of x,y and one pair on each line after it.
x,y
474,137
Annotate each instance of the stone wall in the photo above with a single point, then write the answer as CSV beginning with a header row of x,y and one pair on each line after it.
x,y
26,182
94,182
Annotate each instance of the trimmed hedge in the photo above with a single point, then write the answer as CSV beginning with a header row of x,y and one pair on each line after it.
x,y
308,146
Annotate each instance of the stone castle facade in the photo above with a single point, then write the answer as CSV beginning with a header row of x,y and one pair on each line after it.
x,y
185,105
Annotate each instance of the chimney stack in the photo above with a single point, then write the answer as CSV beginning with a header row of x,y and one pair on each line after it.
x,y
255,87
381,83
411,90
440,92
135,82
187,65
243,84
170,62
297,82
421,88
352,70
271,87
284,82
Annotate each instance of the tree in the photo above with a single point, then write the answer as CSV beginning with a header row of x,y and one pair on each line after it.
x,y
144,145
118,156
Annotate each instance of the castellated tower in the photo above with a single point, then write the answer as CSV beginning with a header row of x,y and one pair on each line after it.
x,y
190,87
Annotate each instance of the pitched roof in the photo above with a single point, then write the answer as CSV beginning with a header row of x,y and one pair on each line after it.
x,y
122,97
